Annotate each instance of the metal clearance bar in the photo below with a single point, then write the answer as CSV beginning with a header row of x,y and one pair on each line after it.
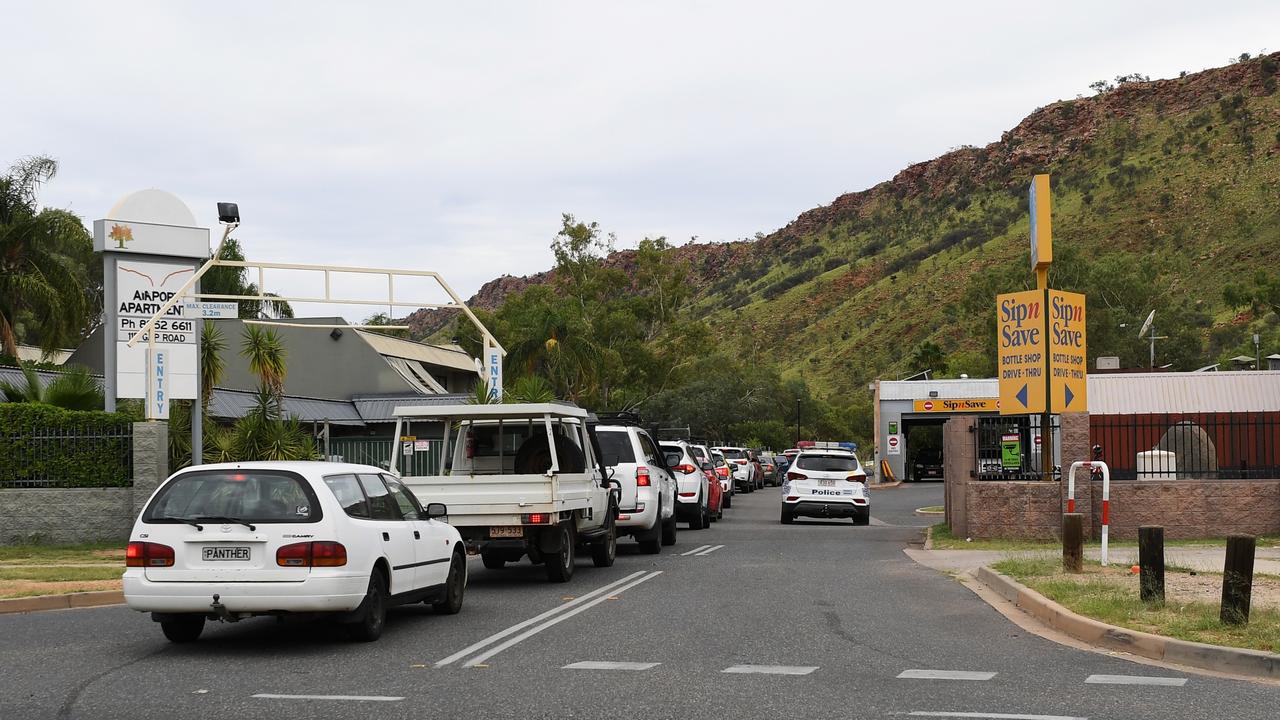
x,y
1106,495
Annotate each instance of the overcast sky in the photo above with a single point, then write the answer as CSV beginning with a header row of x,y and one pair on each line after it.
x,y
451,136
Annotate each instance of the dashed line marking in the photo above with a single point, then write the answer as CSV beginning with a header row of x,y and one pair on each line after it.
x,y
608,665
769,669
944,675
710,550
695,550
1135,680
361,698
993,715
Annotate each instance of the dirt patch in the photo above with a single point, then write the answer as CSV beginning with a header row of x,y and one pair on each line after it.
x,y
28,588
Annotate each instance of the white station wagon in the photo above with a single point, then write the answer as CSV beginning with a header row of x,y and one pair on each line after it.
x,y
826,484
232,541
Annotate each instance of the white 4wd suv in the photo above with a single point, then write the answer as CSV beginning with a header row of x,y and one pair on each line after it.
x,y
647,508
235,540
741,467
825,484
693,496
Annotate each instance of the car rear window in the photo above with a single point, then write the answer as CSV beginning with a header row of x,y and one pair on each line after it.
x,y
616,447
700,453
733,454
827,463
257,496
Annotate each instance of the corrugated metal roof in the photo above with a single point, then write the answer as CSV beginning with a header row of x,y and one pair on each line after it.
x,y
441,356
1234,391
228,404
381,408
14,376
957,389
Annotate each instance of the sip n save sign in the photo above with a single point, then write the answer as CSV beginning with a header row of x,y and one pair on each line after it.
x,y
1042,352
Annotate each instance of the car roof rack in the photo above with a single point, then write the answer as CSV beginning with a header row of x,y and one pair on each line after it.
x,y
620,417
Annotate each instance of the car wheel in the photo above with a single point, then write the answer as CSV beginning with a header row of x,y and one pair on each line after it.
x,y
863,518
373,610
455,585
669,531
699,521
603,553
787,516
183,630
560,565
726,501
493,560
706,516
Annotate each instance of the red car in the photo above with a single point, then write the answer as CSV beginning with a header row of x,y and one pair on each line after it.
x,y
715,490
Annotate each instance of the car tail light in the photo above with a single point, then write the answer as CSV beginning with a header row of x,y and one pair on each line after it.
x,y
148,554
642,477
792,498
797,476
710,475
536,519
324,553
686,469
722,472
741,462
857,477
688,494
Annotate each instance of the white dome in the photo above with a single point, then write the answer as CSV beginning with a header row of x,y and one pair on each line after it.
x,y
152,206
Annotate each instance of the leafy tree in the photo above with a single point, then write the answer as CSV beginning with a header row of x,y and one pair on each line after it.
x,y
382,320
212,345
929,356
1261,294
229,280
50,286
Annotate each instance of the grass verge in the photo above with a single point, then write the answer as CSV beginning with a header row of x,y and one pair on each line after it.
x,y
1105,594
62,554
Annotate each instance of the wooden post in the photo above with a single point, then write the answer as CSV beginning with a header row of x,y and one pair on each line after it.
x,y
1151,564
1237,580
1073,542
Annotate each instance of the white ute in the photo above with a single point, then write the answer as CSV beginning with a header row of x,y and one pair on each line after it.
x,y
235,540
520,479
826,484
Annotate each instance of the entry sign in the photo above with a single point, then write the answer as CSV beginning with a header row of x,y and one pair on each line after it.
x,y
1010,451
1068,366
1020,319
157,384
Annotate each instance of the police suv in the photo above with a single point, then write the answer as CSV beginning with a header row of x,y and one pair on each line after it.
x,y
826,483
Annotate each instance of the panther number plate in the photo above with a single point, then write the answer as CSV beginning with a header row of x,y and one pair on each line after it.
x,y
223,552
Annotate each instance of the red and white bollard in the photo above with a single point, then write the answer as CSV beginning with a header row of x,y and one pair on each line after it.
x,y
1106,496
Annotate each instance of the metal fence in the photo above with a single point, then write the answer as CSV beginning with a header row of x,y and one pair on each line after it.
x,y
1183,446
420,460
77,457
1009,448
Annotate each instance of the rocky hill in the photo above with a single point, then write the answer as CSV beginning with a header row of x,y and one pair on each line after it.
x,y
1163,191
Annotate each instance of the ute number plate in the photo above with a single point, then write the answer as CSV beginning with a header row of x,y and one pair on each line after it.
x,y
225,553
506,532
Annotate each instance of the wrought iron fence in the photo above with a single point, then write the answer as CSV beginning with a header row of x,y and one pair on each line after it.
x,y
1184,446
1009,448
74,457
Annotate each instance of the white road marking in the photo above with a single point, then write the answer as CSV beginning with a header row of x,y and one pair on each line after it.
x,y
945,675
878,522
769,670
363,698
479,659
695,550
1135,680
995,715
710,550
607,665
520,626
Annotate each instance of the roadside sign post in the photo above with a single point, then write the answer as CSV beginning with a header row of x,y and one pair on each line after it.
x,y
1042,358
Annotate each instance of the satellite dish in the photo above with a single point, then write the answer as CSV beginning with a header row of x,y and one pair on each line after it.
x,y
1147,324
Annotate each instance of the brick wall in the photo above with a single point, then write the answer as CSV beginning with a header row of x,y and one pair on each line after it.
x,y
1191,508
1014,510
60,516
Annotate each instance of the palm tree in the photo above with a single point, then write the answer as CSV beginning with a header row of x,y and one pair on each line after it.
x,y
47,288
212,345
266,354
74,389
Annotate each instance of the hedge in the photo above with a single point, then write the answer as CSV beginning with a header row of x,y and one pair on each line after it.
x,y
47,446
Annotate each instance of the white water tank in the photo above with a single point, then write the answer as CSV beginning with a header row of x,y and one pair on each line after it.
x,y
1157,465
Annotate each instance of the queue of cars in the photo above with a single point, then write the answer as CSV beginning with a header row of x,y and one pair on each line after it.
x,y
545,481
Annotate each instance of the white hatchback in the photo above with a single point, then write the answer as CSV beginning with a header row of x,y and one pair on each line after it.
x,y
826,484
232,541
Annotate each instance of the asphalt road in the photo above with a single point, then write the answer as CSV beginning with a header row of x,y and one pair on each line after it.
x,y
829,620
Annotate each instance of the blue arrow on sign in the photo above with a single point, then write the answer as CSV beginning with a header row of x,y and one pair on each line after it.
x,y
1022,396
1070,395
